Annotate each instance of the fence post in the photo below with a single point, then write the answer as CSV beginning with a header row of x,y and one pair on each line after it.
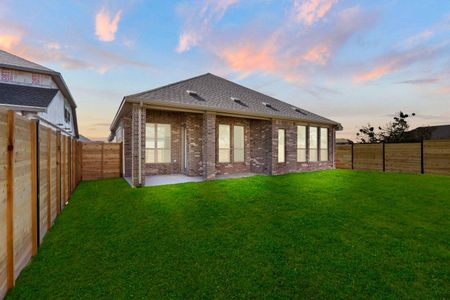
x,y
34,197
49,178
384,157
352,157
58,172
102,162
9,201
421,157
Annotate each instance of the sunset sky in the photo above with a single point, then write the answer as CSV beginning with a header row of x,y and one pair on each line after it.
x,y
352,61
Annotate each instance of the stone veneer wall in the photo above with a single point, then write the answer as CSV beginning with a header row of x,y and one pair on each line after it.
x,y
234,167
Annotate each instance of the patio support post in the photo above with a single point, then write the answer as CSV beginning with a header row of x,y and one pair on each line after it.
x,y
138,116
209,145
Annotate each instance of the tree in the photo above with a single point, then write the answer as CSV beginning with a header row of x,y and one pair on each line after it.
x,y
393,132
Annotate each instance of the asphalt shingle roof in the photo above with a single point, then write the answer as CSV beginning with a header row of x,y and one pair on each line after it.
x,y
216,93
26,95
11,60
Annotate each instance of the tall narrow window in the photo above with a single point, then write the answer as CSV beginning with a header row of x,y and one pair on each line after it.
x,y
224,143
238,143
157,143
281,145
323,144
301,143
313,143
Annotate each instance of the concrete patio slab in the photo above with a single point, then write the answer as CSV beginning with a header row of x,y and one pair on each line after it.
x,y
156,180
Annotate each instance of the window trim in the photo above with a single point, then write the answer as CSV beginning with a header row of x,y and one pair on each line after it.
x,y
284,146
243,144
305,141
320,145
155,144
316,148
229,143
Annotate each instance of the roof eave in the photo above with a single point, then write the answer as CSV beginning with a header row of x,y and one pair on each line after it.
x,y
130,99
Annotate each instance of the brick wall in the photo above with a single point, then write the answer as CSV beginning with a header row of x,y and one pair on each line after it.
x,y
260,141
137,145
175,120
291,164
194,128
209,145
234,167
260,146
127,145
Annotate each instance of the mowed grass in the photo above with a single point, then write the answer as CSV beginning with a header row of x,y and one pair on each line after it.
x,y
330,234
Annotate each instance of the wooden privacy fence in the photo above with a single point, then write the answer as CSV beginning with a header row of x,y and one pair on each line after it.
x,y
101,160
431,156
39,170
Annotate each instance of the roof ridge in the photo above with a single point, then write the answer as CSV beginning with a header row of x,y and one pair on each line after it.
x,y
167,85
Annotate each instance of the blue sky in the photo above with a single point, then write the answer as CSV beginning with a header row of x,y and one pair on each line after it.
x,y
352,61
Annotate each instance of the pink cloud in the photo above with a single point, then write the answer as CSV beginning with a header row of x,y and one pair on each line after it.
x,y
107,26
289,51
9,41
198,21
319,54
309,12
186,41
248,58
398,60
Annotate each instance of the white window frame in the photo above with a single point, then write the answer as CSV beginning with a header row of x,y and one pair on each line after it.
x,y
301,148
314,149
235,149
324,138
281,145
219,158
155,147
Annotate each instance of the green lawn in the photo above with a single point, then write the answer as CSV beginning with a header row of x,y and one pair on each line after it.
x,y
330,234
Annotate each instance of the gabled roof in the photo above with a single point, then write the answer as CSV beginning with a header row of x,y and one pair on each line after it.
x,y
213,93
22,95
11,61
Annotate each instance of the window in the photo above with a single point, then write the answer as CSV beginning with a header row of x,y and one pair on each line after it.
x,y
323,144
66,115
238,143
224,143
301,143
313,143
157,143
281,145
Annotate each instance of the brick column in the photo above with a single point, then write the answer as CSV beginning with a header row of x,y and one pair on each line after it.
x,y
138,149
209,146
332,145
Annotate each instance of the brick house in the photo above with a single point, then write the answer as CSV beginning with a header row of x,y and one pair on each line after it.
x,y
208,126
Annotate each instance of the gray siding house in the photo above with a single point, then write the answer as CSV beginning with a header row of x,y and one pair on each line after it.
x,y
208,126
37,92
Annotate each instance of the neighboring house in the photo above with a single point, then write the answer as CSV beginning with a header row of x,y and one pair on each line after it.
x,y
343,141
36,92
207,126
429,133
84,139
